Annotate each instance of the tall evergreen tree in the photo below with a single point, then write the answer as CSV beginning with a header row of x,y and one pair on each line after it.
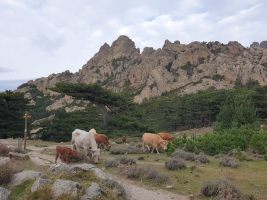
x,y
12,108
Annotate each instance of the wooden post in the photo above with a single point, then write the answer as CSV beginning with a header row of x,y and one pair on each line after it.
x,y
19,148
26,117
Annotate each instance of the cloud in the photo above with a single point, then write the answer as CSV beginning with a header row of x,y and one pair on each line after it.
x,y
40,37
4,70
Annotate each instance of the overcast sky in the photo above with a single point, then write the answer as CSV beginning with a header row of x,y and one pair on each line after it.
x,y
40,37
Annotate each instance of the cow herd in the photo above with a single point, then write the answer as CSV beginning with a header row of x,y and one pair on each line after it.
x,y
89,143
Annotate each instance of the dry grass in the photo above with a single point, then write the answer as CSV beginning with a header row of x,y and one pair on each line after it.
x,y
6,173
125,149
4,150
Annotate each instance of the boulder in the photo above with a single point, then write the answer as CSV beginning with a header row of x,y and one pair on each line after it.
x,y
23,176
92,192
4,193
39,183
18,156
66,187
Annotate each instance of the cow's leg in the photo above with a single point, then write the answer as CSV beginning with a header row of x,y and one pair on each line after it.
x,y
74,147
152,149
57,154
143,146
67,158
157,150
148,147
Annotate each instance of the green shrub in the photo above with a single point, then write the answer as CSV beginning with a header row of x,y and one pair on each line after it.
x,y
259,141
215,143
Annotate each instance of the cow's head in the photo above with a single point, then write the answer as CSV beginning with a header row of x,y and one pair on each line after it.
x,y
95,155
74,154
163,144
92,131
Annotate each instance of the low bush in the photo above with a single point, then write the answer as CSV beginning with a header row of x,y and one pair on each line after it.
x,y
111,163
181,154
117,190
229,162
125,149
147,173
222,189
202,158
6,173
4,150
175,164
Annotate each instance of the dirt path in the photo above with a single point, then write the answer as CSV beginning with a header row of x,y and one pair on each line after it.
x,y
135,192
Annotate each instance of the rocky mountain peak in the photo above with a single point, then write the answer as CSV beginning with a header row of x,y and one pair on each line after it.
x,y
183,68
124,46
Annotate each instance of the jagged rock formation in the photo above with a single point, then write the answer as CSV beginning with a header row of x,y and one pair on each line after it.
x,y
175,67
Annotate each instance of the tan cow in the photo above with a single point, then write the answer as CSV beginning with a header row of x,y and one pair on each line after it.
x,y
154,141
166,136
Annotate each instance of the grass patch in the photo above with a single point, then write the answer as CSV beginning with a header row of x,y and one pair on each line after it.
x,y
20,192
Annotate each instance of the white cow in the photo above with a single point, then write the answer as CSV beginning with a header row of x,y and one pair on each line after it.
x,y
85,141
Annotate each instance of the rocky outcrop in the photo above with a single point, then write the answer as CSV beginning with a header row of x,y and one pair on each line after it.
x,y
66,187
58,168
183,68
40,183
23,176
46,119
92,192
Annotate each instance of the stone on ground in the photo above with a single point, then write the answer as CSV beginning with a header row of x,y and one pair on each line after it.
x,y
39,183
23,176
66,187
4,193
92,192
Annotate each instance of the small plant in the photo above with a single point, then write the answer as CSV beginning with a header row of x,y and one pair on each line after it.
x,y
6,173
175,164
229,162
202,158
221,188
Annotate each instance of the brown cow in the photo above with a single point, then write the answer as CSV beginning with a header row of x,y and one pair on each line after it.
x,y
154,140
65,154
102,140
166,136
